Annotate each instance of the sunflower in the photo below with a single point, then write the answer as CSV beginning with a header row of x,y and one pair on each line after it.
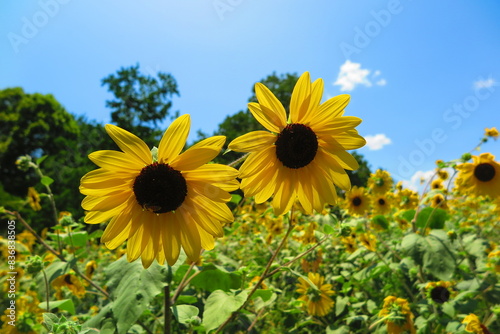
x,y
407,199
481,177
381,204
398,315
70,281
493,132
380,182
34,199
90,268
474,325
357,201
437,184
300,158
439,201
443,174
369,241
439,292
317,297
159,200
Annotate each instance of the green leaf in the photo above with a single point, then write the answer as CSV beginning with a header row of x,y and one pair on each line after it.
x,y
328,229
433,218
340,304
186,299
41,159
185,314
408,215
381,221
49,319
65,305
46,181
220,305
449,309
340,330
56,269
214,277
133,287
413,245
78,239
439,259
263,298
235,198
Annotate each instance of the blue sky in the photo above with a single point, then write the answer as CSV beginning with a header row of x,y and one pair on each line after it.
x,y
423,75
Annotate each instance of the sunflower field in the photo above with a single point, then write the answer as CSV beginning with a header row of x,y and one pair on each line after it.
x,y
277,241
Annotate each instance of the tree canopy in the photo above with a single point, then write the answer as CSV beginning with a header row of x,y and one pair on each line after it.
x,y
140,101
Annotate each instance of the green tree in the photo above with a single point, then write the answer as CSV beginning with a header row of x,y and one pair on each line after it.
x,y
140,101
33,124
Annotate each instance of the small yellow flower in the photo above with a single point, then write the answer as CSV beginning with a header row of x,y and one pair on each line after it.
x,y
443,174
439,292
439,201
34,199
349,243
27,239
317,297
311,262
493,132
357,201
473,324
255,280
437,184
399,317
494,260
381,204
380,182
70,281
407,199
368,240
90,268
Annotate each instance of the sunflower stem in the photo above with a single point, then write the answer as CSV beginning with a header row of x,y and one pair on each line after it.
x,y
237,161
168,315
47,291
262,276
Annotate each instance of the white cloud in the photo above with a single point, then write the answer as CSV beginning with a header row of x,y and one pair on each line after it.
x,y
351,75
420,180
486,83
377,142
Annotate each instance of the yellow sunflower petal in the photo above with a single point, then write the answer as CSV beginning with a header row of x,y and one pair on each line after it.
x,y
267,100
252,141
210,191
174,139
148,255
285,192
130,144
214,142
301,95
314,101
171,238
207,240
190,238
194,158
104,203
97,217
330,109
267,117
345,160
115,161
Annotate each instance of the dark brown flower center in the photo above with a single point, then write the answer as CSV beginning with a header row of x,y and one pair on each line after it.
x,y
296,146
381,201
160,188
356,201
440,294
484,172
67,279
